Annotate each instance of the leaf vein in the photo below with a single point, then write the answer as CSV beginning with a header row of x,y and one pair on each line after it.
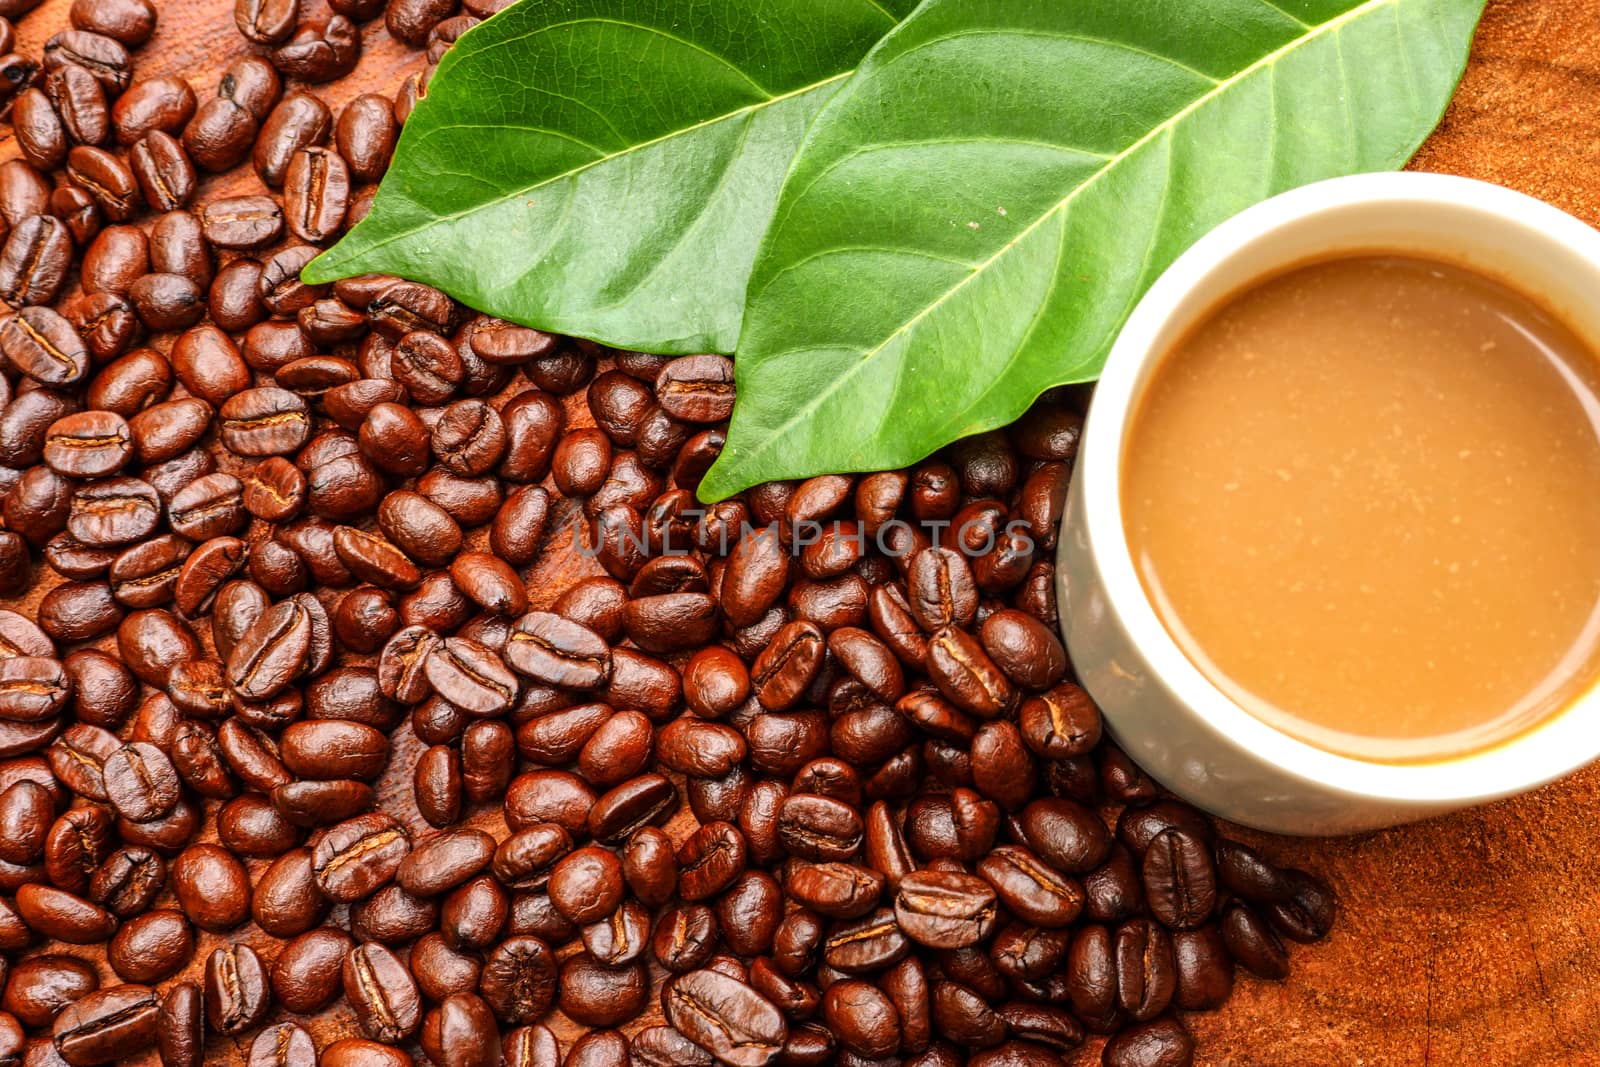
x,y
1286,13
1010,31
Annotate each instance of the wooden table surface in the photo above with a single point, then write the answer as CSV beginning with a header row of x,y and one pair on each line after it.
x,y
1472,940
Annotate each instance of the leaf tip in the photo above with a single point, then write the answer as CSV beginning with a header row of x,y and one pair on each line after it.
x,y
716,485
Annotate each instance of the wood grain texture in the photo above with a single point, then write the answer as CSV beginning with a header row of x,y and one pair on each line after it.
x,y
1472,940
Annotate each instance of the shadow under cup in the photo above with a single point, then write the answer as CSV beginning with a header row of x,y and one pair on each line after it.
x,y
1185,730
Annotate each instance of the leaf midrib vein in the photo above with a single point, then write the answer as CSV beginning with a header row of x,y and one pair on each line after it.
x,y
1267,61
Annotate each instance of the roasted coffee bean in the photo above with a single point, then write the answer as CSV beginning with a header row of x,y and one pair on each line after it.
x,y
242,222
81,102
966,675
382,993
1180,882
300,120
596,995
1251,941
725,1017
89,444
1306,914
283,1044
104,57
305,977
55,913
151,947
44,346
264,422
41,136
461,1031
128,881
42,986
141,782
180,1027
332,748
265,21
357,857
411,20
316,189
163,104
787,665
252,83
365,134
287,643
320,50
1161,1043
943,909
237,994
108,1025
106,178
212,887
34,260
165,175
221,134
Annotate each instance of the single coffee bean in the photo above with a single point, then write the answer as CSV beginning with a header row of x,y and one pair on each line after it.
x,y
725,1017
357,857
141,782
305,977
1180,881
263,422
81,102
253,84
320,50
89,444
595,995
106,178
1307,913
128,881
265,21
64,916
696,388
212,887
237,994
283,1044
34,260
242,222
108,1025
1161,1043
151,947
365,134
41,136
220,135
162,168
164,104
461,1032
316,190
557,651
943,909
180,1027
44,346
410,21
382,993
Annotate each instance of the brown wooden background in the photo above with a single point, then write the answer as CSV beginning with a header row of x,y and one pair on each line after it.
x,y
1472,940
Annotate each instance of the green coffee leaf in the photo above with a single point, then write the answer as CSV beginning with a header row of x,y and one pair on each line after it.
x,y
973,216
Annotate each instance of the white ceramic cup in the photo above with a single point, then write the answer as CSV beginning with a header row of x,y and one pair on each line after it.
x,y
1168,716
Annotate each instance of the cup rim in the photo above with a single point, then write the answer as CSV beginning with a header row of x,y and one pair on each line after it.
x,y
1517,764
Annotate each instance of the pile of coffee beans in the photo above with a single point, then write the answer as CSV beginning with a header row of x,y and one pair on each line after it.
x,y
798,778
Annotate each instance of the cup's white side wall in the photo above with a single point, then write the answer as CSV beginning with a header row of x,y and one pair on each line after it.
x,y
1172,720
